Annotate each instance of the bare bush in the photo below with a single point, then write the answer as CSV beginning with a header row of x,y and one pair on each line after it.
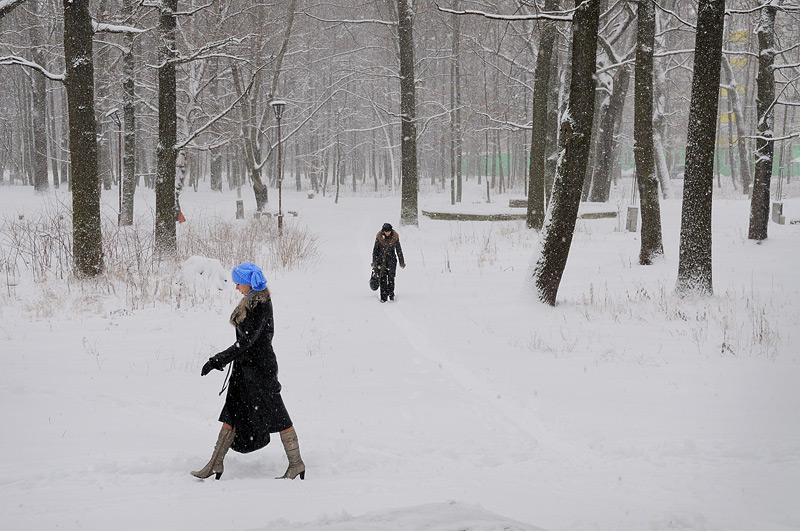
x,y
41,246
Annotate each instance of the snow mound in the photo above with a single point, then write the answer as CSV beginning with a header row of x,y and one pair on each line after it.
x,y
450,516
201,273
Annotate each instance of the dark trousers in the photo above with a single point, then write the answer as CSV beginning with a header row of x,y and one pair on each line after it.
x,y
387,285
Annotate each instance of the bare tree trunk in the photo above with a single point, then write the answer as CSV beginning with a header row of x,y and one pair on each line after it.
x,y
741,126
66,168
694,262
39,109
651,243
539,138
86,233
455,108
165,236
601,181
659,112
52,139
576,129
765,146
409,210
129,117
552,141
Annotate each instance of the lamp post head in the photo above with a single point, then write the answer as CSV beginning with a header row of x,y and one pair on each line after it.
x,y
278,106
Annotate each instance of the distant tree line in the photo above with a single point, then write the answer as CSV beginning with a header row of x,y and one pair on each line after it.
x,y
401,95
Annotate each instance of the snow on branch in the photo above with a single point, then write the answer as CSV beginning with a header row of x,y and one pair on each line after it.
x,y
219,116
676,16
351,21
667,54
790,136
557,15
204,51
100,27
778,67
769,3
14,60
7,6
193,11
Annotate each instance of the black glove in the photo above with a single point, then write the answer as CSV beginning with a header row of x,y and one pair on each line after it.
x,y
210,364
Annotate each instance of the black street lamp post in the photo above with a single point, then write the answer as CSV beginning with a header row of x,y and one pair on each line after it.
x,y
278,106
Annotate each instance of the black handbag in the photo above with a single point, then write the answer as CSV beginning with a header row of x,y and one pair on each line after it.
x,y
374,281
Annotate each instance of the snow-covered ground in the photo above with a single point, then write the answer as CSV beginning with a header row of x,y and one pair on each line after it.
x,y
464,405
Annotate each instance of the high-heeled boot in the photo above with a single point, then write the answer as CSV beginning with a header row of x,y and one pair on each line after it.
x,y
215,466
292,448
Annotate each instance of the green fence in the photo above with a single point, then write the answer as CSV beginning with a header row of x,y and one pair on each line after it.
x,y
677,157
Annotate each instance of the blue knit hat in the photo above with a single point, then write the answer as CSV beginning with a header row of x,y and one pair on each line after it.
x,y
249,274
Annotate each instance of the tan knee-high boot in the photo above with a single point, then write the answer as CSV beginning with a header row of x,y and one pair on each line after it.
x,y
292,448
215,466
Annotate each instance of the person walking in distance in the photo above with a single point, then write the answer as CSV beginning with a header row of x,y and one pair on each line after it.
x,y
253,406
385,254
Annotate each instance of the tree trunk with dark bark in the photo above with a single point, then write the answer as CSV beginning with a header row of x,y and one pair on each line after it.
x,y
39,109
576,130
765,146
694,262
409,210
741,128
455,108
651,243
87,244
165,236
129,119
538,152
604,158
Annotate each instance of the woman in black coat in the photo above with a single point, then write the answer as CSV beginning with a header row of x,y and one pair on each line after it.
x,y
385,254
253,406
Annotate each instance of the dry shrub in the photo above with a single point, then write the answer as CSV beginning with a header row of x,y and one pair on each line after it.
x,y
41,246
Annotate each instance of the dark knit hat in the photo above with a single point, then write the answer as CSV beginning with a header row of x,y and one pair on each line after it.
x,y
386,227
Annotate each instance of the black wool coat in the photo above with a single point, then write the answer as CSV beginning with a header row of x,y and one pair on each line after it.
x,y
253,405
386,252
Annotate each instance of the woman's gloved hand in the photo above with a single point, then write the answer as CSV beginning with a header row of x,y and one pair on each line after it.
x,y
210,364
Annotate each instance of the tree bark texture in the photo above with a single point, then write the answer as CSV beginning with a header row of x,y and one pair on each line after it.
x,y
610,120
765,146
576,129
455,107
129,118
660,103
538,151
39,109
409,211
643,151
87,240
694,261
741,127
165,236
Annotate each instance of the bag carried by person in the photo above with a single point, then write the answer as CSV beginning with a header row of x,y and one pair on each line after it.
x,y
374,281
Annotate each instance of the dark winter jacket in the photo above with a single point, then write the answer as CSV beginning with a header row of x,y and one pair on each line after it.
x,y
386,252
253,405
